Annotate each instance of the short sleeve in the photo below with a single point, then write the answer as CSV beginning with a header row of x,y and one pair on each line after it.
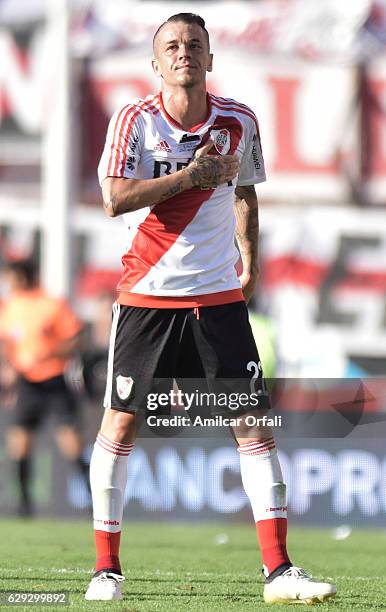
x,y
252,168
124,140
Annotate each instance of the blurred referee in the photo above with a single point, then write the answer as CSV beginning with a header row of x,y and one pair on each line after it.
x,y
39,334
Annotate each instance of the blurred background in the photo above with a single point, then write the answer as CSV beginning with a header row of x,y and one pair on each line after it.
x,y
314,71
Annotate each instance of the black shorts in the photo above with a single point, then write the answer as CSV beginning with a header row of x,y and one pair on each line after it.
x,y
35,401
211,347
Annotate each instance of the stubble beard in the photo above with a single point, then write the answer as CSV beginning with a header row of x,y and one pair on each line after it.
x,y
189,82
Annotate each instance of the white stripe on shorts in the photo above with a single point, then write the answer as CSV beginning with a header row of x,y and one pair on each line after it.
x,y
110,361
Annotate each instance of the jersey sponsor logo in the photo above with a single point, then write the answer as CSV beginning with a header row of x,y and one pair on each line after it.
x,y
255,154
186,147
130,161
134,143
188,143
255,157
163,146
124,386
190,138
161,168
222,140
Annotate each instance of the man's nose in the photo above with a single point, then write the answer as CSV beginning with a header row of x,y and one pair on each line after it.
x,y
184,51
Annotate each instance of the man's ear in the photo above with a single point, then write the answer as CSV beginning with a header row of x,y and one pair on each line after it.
x,y
210,65
156,67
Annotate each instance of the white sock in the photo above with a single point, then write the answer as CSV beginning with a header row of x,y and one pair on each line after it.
x,y
262,479
108,477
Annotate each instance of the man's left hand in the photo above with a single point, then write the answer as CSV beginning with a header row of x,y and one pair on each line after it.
x,y
248,284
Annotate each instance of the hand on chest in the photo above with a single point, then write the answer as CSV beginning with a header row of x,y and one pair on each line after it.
x,y
170,150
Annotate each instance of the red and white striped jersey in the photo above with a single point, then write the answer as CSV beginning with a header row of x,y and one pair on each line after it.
x,y
182,251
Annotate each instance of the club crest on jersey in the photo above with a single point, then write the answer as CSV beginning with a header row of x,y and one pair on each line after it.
x,y
222,140
124,386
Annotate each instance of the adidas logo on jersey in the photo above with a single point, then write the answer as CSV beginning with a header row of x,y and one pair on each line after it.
x,y
162,146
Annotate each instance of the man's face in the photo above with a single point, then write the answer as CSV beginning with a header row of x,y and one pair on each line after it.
x,y
182,54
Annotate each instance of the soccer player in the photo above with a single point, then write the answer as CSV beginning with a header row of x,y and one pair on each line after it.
x,y
181,167
38,336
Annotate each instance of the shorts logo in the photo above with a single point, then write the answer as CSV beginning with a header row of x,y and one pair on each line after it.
x,y
222,140
124,386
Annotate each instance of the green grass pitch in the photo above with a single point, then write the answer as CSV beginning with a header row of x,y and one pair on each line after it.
x,y
184,567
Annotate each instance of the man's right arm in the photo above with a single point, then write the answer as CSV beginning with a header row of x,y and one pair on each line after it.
x,y
122,195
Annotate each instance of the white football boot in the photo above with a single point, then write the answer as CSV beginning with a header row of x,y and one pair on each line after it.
x,y
104,586
294,585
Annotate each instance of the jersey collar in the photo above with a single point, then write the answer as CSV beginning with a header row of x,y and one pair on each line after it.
x,y
195,128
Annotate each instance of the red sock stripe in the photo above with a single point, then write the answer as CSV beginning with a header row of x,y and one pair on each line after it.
x,y
122,449
257,448
114,447
257,443
112,451
119,445
264,451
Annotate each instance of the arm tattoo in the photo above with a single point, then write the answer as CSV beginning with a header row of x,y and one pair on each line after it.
x,y
247,225
205,172
172,191
114,204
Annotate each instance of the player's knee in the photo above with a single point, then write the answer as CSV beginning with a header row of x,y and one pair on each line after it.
x,y
119,426
253,426
69,442
18,443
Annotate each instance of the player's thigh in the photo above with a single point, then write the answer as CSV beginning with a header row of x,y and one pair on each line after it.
x,y
228,351
189,362
143,350
190,373
225,341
